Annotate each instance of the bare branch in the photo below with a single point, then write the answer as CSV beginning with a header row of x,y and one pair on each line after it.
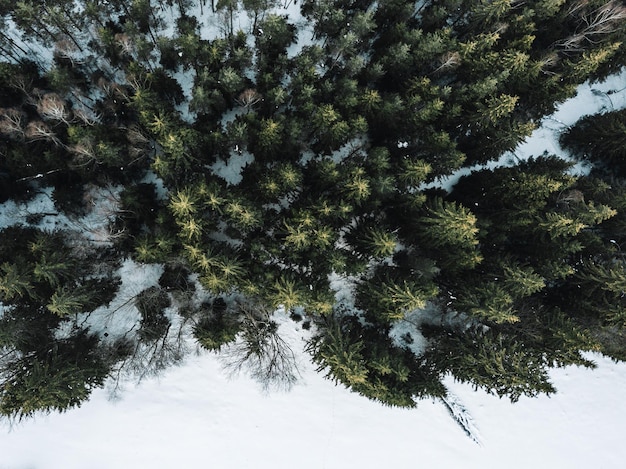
x,y
447,61
86,116
51,106
261,351
604,20
38,130
125,43
11,123
248,98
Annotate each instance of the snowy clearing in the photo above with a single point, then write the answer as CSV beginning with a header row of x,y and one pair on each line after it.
x,y
194,416
591,98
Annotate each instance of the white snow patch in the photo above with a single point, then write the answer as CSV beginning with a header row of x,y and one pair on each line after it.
x,y
406,333
194,410
42,205
349,149
591,98
102,205
161,191
343,286
121,316
231,170
410,326
306,156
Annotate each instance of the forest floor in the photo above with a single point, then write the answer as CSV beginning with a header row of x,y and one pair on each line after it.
x,y
196,415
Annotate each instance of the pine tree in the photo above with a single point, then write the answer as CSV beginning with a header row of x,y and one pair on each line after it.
x,y
497,363
270,135
522,281
357,187
242,214
58,378
450,229
52,268
600,138
286,292
414,171
65,303
488,302
151,304
489,12
336,352
388,299
297,236
557,225
191,229
14,283
379,243
183,204
331,130
495,109
609,278
216,328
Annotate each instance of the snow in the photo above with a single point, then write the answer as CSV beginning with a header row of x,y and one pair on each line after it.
x,y
121,315
231,169
194,416
102,205
410,325
591,98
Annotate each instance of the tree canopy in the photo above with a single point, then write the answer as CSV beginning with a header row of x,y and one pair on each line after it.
x,y
258,160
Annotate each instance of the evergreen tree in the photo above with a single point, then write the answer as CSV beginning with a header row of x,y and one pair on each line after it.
x,y
451,231
387,297
499,364
57,378
14,283
600,139
64,303
339,140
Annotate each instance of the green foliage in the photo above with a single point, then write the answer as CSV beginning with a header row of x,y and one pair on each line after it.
x,y
153,249
378,371
449,224
151,304
522,281
13,283
288,293
451,231
64,303
496,108
373,241
388,299
490,303
600,139
333,147
53,380
342,356
216,327
496,363
414,171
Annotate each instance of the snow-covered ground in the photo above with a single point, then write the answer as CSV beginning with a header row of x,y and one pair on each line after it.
x,y
591,98
193,416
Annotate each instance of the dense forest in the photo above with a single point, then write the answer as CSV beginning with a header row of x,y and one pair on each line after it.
x,y
339,118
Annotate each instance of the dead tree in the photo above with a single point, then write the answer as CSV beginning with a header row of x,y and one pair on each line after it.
x,y
261,351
